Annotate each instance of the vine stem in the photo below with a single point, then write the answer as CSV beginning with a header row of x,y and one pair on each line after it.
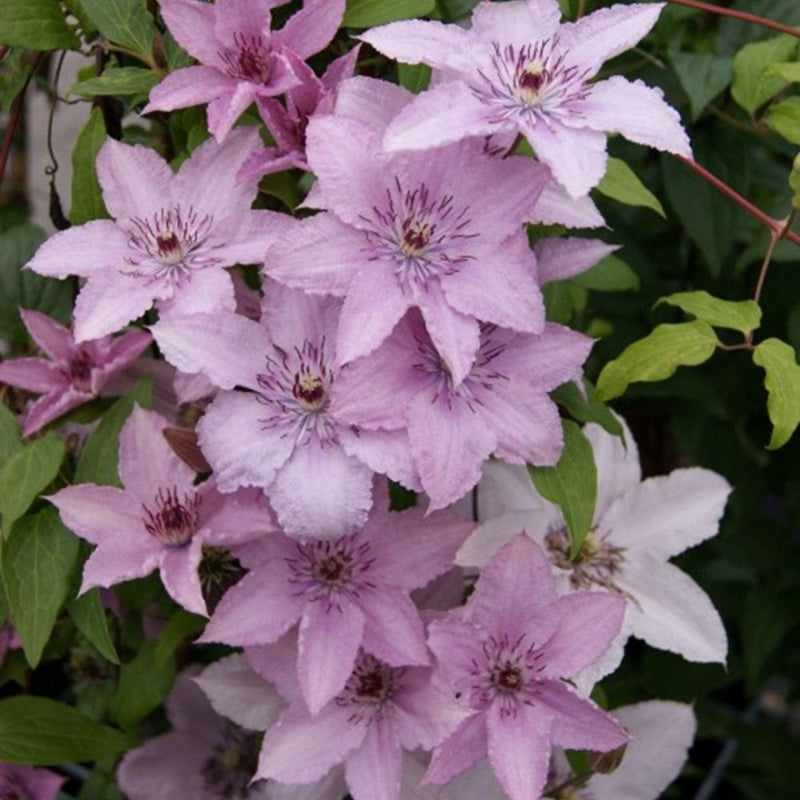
x,y
775,238
777,227
741,15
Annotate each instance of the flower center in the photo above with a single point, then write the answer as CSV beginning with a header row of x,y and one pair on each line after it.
x,y
232,763
530,82
597,563
506,677
169,247
416,236
370,688
174,522
249,60
333,569
309,391
79,371
374,686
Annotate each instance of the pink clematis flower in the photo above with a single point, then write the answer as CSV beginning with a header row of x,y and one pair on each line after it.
x,y
506,656
501,407
170,239
241,60
346,593
440,230
518,70
28,783
73,373
160,519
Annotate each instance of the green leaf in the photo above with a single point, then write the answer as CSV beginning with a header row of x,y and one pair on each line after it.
x,y
703,76
143,683
621,183
25,289
657,356
611,274
36,730
784,119
744,315
586,408
456,9
414,77
571,484
30,470
782,382
182,625
125,22
118,81
366,13
39,560
89,616
100,455
10,437
754,82
789,71
36,25
87,199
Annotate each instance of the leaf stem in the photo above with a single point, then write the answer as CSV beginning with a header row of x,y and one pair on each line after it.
x,y
783,233
741,15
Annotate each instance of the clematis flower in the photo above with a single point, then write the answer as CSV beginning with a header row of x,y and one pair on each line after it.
x,y
346,593
170,239
281,435
160,519
28,783
241,60
638,525
506,655
440,230
73,373
518,70
501,407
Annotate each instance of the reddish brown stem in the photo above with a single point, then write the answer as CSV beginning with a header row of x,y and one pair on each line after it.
x,y
776,226
11,127
742,15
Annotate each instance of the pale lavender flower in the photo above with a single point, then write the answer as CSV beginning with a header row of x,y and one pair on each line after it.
x,y
440,230
160,519
519,70
501,407
171,237
281,435
638,525
241,60
346,593
507,656
21,782
72,374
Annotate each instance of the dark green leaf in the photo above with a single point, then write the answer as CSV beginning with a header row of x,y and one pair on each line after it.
x,y
782,382
143,684
35,25
414,77
182,625
89,616
10,437
753,81
30,470
119,81
586,408
622,184
35,730
39,559
125,22
744,315
611,274
703,76
87,199
571,484
100,455
457,9
25,289
657,356
366,13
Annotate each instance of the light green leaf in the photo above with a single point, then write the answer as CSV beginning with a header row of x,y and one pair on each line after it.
x,y
30,470
621,183
784,119
35,25
753,81
100,455
571,484
118,81
782,382
586,408
366,13
414,77
39,560
790,71
611,274
125,22
89,616
143,683
743,315
657,356
36,730
21,288
703,76
10,437
87,199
